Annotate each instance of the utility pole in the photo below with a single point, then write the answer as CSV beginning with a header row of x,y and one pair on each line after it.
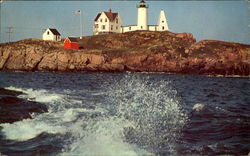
x,y
1,19
9,32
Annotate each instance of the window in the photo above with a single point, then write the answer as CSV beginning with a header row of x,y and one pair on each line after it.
x,y
116,21
116,27
141,27
96,26
162,21
103,27
129,28
162,27
111,27
106,20
47,32
100,20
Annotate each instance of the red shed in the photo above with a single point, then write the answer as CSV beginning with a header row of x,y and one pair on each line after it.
x,y
71,43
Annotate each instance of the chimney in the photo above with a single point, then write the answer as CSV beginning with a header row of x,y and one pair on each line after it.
x,y
110,10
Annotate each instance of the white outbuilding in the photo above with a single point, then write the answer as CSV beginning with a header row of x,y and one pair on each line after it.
x,y
162,22
52,35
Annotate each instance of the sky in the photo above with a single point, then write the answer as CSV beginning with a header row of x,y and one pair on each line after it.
x,y
217,20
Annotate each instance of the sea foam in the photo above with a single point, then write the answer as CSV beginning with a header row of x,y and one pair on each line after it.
x,y
28,129
37,95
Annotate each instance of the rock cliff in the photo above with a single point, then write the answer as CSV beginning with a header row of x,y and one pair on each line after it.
x,y
140,51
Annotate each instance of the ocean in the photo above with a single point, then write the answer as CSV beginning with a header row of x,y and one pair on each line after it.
x,y
129,114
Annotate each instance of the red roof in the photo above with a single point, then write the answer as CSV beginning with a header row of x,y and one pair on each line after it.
x,y
111,16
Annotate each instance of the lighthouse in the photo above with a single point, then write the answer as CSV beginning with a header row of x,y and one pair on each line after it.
x,y
108,22
142,19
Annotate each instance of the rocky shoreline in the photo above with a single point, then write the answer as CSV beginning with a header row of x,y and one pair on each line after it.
x,y
140,51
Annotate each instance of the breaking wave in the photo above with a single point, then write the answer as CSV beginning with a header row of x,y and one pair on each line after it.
x,y
36,95
134,117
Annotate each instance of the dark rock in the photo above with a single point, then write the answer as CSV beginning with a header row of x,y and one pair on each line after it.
x,y
9,92
14,109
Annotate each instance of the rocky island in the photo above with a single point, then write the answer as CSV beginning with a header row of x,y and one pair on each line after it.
x,y
139,51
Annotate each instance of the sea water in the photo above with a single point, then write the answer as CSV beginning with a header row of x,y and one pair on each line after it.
x,y
132,114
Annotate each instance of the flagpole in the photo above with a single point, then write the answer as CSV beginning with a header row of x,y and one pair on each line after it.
x,y
80,24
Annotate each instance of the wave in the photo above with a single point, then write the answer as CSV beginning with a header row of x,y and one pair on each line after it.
x,y
136,111
103,137
36,95
134,117
28,129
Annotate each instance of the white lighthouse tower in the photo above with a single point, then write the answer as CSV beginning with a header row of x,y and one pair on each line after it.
x,y
142,19
162,22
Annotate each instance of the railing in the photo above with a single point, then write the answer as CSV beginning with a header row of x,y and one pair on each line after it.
x,y
142,6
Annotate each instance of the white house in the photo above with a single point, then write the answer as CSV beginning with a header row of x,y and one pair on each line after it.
x,y
142,22
51,34
107,22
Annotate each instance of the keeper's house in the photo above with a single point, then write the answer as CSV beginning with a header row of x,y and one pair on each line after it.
x,y
107,22
52,35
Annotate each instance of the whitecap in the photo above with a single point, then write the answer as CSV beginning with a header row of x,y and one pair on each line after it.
x,y
198,107
28,129
41,95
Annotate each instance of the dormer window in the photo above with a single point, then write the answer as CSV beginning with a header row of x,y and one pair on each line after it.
x,y
116,21
106,20
47,32
100,20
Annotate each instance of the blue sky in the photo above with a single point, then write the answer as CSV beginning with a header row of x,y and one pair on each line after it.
x,y
219,20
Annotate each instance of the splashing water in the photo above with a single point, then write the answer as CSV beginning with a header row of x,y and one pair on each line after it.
x,y
135,117
153,108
